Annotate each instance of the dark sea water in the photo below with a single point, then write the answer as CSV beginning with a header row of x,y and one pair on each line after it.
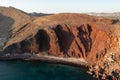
x,y
19,70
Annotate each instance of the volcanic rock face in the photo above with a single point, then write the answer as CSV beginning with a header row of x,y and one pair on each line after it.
x,y
95,39
66,35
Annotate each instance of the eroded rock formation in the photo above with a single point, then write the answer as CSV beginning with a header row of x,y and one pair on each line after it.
x,y
69,35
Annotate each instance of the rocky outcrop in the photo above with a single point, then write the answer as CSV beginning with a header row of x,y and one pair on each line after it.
x,y
68,35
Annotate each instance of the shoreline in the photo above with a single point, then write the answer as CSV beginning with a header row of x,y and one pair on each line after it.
x,y
44,58
59,60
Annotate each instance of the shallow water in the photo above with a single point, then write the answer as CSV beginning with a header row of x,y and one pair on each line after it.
x,y
18,70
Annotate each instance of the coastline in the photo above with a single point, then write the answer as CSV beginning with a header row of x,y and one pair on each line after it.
x,y
45,58
59,60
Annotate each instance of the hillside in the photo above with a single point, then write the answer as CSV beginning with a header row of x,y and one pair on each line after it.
x,y
95,39
92,39
11,20
114,16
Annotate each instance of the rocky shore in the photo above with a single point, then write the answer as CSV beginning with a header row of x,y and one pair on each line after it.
x,y
106,69
68,38
102,70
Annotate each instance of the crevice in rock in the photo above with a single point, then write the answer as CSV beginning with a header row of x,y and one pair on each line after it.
x,y
84,33
43,40
80,49
65,38
90,40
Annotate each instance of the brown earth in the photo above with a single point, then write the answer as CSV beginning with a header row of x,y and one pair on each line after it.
x,y
66,35
95,39
11,20
14,19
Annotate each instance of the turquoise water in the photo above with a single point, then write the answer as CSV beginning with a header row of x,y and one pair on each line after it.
x,y
18,70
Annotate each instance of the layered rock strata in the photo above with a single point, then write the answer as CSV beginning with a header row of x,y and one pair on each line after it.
x,y
66,35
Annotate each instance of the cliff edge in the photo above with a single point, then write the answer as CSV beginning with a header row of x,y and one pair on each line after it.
x,y
95,39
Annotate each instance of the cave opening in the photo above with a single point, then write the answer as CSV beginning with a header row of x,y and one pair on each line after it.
x,y
42,40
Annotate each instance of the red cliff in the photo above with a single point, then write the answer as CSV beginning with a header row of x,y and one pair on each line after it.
x,y
68,35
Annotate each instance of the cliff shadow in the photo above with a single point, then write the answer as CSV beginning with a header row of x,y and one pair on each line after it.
x,y
43,40
65,38
14,48
84,33
39,43
114,21
6,24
